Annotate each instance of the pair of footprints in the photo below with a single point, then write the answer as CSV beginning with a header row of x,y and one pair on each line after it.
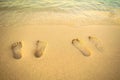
x,y
17,49
40,47
83,49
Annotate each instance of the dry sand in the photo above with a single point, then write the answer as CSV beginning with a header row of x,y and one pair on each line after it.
x,y
61,60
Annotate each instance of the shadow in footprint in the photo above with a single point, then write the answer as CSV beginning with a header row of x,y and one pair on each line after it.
x,y
16,49
96,42
79,45
40,48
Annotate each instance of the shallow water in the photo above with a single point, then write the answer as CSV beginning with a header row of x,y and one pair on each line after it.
x,y
75,5
79,11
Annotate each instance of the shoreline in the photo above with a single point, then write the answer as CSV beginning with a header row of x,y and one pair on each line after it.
x,y
71,19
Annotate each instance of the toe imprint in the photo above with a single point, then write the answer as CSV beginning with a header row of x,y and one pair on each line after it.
x,y
78,44
16,49
96,42
40,48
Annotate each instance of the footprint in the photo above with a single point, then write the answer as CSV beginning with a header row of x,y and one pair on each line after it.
x,y
40,48
96,42
78,44
16,49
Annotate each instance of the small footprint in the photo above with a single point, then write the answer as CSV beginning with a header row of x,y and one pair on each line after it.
x,y
16,49
40,48
78,44
96,42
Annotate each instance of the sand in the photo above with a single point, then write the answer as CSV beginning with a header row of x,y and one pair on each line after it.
x,y
61,60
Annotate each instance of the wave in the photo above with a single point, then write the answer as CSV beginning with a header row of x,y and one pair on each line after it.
x,y
77,12
65,5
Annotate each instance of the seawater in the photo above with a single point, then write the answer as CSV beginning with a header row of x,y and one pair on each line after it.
x,y
74,5
101,11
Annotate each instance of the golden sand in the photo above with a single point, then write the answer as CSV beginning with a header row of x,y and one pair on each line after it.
x,y
61,60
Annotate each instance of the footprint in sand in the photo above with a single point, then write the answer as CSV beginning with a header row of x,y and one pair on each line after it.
x,y
96,42
40,48
80,46
16,49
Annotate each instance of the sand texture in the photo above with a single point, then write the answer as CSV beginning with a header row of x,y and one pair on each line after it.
x,y
61,60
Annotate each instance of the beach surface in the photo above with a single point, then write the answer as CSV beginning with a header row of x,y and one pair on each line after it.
x,y
61,60
82,39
